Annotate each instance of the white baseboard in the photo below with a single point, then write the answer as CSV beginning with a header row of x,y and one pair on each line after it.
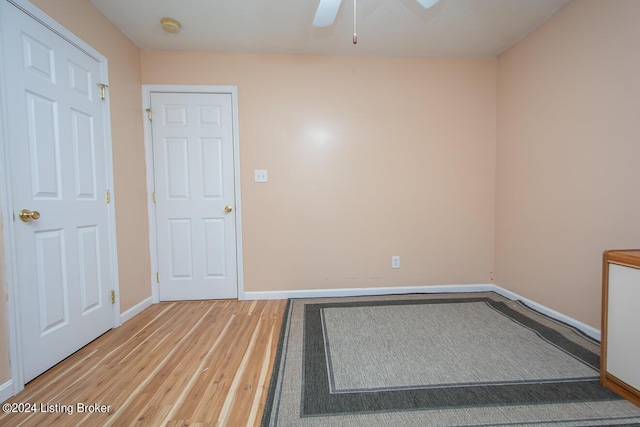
x,y
351,292
586,329
136,309
354,292
6,390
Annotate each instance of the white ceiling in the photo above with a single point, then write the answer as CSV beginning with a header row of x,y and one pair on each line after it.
x,y
384,27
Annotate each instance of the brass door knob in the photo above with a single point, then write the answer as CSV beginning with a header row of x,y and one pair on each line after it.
x,y
26,215
228,208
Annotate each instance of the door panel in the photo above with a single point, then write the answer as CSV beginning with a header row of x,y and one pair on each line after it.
x,y
177,155
181,259
193,167
90,280
83,155
38,58
80,80
212,180
215,248
52,280
44,146
58,167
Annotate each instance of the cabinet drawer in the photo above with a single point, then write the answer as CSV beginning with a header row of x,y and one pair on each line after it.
x,y
620,344
623,324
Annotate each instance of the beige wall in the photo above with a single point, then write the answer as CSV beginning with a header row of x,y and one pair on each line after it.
x,y
568,155
367,158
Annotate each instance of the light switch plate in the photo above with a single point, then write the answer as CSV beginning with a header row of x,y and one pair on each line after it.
x,y
260,175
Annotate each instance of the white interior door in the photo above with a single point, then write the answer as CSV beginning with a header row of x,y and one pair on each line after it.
x,y
58,166
195,198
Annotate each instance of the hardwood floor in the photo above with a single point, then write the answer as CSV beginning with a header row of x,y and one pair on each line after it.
x,y
205,363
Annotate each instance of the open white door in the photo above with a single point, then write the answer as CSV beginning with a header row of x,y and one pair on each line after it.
x,y
58,156
193,158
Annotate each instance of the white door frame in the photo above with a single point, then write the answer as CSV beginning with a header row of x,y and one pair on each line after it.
x,y
10,262
148,148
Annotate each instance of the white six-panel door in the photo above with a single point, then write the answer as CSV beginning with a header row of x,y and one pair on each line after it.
x,y
57,151
195,201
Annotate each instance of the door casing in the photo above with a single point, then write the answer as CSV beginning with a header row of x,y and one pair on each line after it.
x,y
153,242
10,262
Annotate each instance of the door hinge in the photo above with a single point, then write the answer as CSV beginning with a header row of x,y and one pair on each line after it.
x,y
103,90
107,196
149,114
153,196
157,277
113,297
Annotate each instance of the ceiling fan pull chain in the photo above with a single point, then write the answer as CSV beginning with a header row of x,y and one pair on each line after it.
x,y
355,36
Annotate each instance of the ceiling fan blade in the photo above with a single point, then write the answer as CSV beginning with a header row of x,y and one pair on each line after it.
x,y
326,13
427,3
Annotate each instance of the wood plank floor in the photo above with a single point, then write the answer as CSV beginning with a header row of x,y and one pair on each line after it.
x,y
205,363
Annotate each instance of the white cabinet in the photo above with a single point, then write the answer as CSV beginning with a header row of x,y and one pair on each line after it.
x,y
620,349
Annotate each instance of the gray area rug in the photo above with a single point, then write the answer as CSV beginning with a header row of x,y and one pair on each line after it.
x,y
465,359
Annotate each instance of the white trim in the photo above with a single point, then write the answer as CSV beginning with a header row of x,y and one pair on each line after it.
x,y
111,207
353,292
136,309
6,200
584,328
148,148
350,292
151,207
8,241
236,183
6,391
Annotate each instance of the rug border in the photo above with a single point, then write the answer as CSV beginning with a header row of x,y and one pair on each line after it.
x,y
273,382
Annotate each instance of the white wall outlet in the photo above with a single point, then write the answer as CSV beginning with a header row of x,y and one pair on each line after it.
x,y
395,261
260,175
